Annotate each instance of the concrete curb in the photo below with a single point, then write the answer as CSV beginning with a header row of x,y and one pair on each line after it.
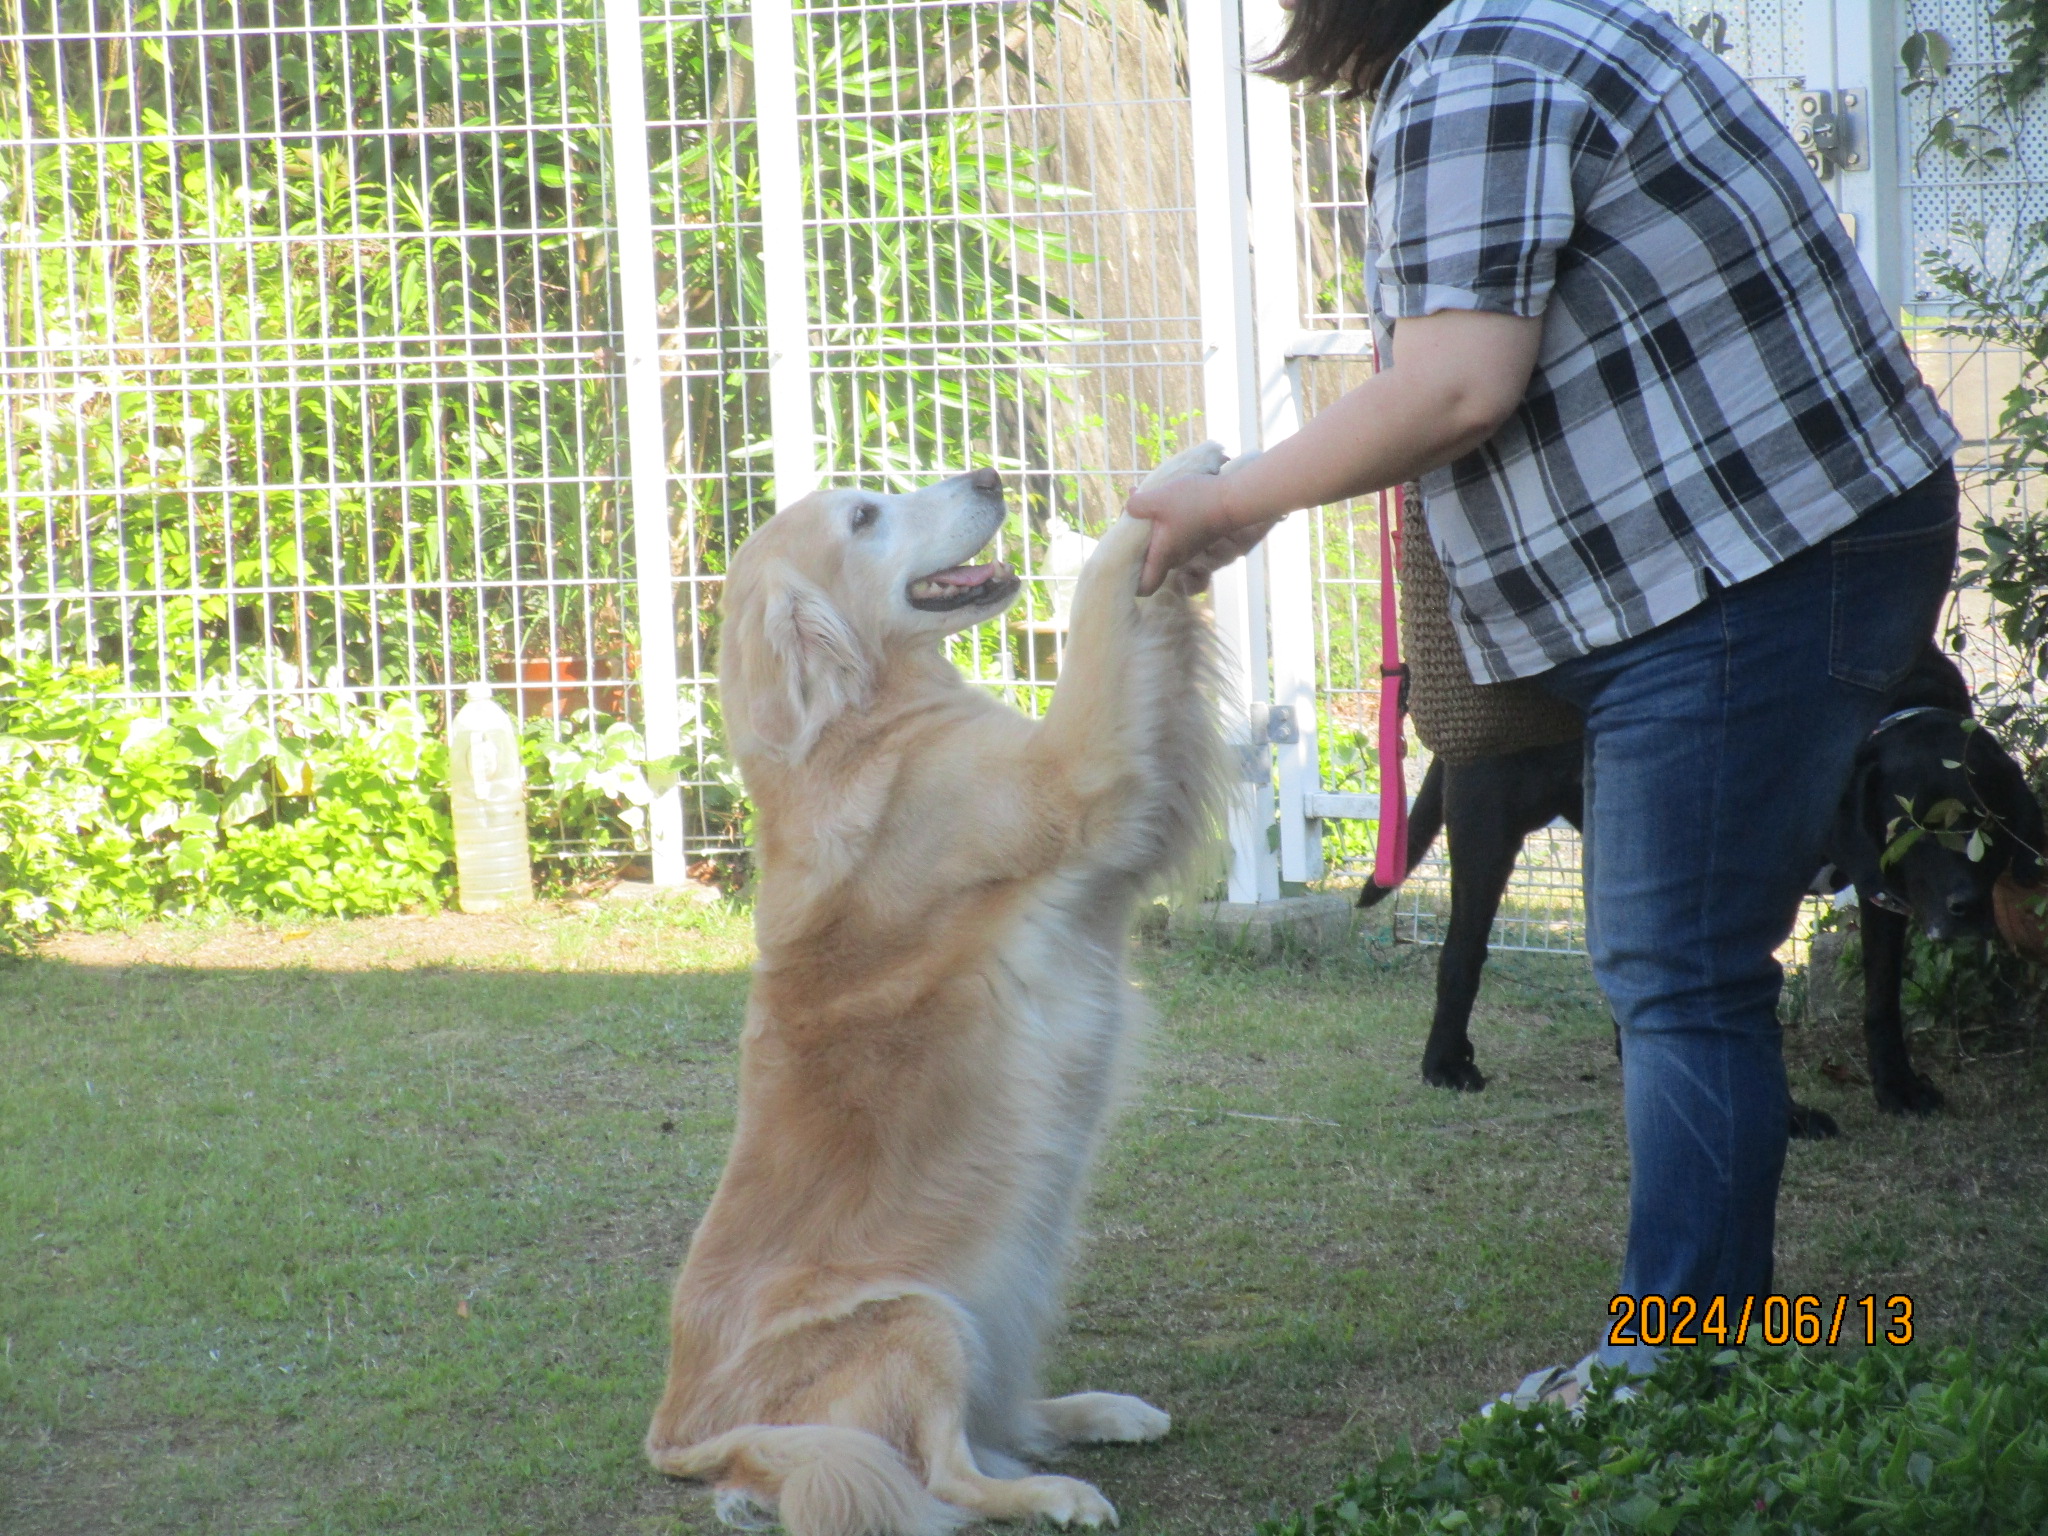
x,y
1320,921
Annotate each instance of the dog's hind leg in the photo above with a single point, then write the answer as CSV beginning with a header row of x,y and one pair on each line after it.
x,y
839,1402
1805,1123
1484,845
817,1479
922,1384
1089,1418
953,1476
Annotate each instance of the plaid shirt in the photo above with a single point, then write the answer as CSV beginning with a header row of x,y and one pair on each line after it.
x,y
1718,386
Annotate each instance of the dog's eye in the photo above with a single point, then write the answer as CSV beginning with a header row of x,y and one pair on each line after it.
x,y
864,515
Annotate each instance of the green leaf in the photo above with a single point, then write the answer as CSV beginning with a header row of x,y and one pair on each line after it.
x,y
1899,847
1637,1510
1926,55
251,801
141,731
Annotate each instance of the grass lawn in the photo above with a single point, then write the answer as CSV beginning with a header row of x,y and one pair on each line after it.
x,y
368,1227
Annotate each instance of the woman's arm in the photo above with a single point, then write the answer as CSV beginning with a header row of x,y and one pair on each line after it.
x,y
1456,376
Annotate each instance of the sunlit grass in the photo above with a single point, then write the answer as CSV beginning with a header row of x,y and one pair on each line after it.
x,y
368,1227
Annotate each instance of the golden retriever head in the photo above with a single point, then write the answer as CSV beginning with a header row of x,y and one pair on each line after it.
x,y
825,590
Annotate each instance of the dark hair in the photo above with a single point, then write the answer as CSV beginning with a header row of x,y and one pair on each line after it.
x,y
1348,43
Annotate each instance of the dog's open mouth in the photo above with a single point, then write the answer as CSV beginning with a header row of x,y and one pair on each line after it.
x,y
963,586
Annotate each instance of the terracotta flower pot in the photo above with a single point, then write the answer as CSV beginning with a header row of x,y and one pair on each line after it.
x,y
555,687
2019,924
546,681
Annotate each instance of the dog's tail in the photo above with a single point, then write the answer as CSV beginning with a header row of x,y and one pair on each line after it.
x,y
1425,820
818,1480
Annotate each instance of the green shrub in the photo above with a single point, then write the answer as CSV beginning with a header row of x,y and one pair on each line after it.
x,y
1882,1442
111,808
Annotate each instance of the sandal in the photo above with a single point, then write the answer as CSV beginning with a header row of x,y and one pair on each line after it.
x,y
1565,1385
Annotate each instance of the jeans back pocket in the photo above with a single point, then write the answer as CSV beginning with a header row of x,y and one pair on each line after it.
x,y
1891,572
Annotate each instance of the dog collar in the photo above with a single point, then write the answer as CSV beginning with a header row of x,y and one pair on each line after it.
x,y
1899,717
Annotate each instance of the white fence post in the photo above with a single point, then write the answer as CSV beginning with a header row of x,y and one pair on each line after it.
x,y
1852,52
778,140
646,445
1230,410
1290,553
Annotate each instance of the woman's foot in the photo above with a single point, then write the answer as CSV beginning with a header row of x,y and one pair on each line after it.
x,y
1565,1385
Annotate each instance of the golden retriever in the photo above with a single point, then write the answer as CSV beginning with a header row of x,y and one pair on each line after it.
x,y
938,1018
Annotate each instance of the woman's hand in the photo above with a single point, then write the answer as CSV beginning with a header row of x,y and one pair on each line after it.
x,y
1189,522
1191,578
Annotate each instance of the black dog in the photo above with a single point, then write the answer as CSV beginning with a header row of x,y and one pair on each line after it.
x,y
1926,751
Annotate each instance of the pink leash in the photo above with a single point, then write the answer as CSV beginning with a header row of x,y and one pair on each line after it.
x,y
1390,861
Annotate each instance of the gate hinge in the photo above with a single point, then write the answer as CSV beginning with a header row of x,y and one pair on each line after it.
x,y
1829,133
1281,728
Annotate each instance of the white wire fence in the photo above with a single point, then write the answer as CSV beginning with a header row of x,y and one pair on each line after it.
x,y
998,213
308,350
306,370
318,334
321,336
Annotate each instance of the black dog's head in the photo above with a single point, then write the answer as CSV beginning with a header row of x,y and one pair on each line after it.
x,y
1939,771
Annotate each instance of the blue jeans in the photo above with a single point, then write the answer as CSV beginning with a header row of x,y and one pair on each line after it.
x,y
1717,747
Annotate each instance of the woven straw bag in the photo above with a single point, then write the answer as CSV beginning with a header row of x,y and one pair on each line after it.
x,y
1460,720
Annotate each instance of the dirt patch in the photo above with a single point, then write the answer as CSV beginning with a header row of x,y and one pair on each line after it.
x,y
567,935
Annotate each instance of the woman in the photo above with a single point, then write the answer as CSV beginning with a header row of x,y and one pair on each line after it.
x,y
1680,467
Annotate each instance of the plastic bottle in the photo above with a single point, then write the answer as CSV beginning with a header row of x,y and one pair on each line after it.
x,y
488,791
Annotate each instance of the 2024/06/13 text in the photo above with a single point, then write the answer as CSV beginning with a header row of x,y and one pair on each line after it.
x,y
1678,1320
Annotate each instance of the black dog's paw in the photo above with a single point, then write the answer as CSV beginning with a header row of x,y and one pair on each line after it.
x,y
1461,1075
1910,1094
1805,1123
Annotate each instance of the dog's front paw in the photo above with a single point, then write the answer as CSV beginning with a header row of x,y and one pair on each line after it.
x,y
1067,1501
1202,459
1805,1123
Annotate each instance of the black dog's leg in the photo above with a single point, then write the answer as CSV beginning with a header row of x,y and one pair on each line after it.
x,y
1475,897
1805,1123
1898,1087
1484,847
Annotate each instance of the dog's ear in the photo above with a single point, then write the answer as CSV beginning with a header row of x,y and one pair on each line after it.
x,y
1856,844
2009,798
789,663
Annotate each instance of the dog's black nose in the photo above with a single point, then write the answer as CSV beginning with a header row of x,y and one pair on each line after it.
x,y
985,479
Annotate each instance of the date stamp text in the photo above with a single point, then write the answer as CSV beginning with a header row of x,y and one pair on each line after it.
x,y
1677,1320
